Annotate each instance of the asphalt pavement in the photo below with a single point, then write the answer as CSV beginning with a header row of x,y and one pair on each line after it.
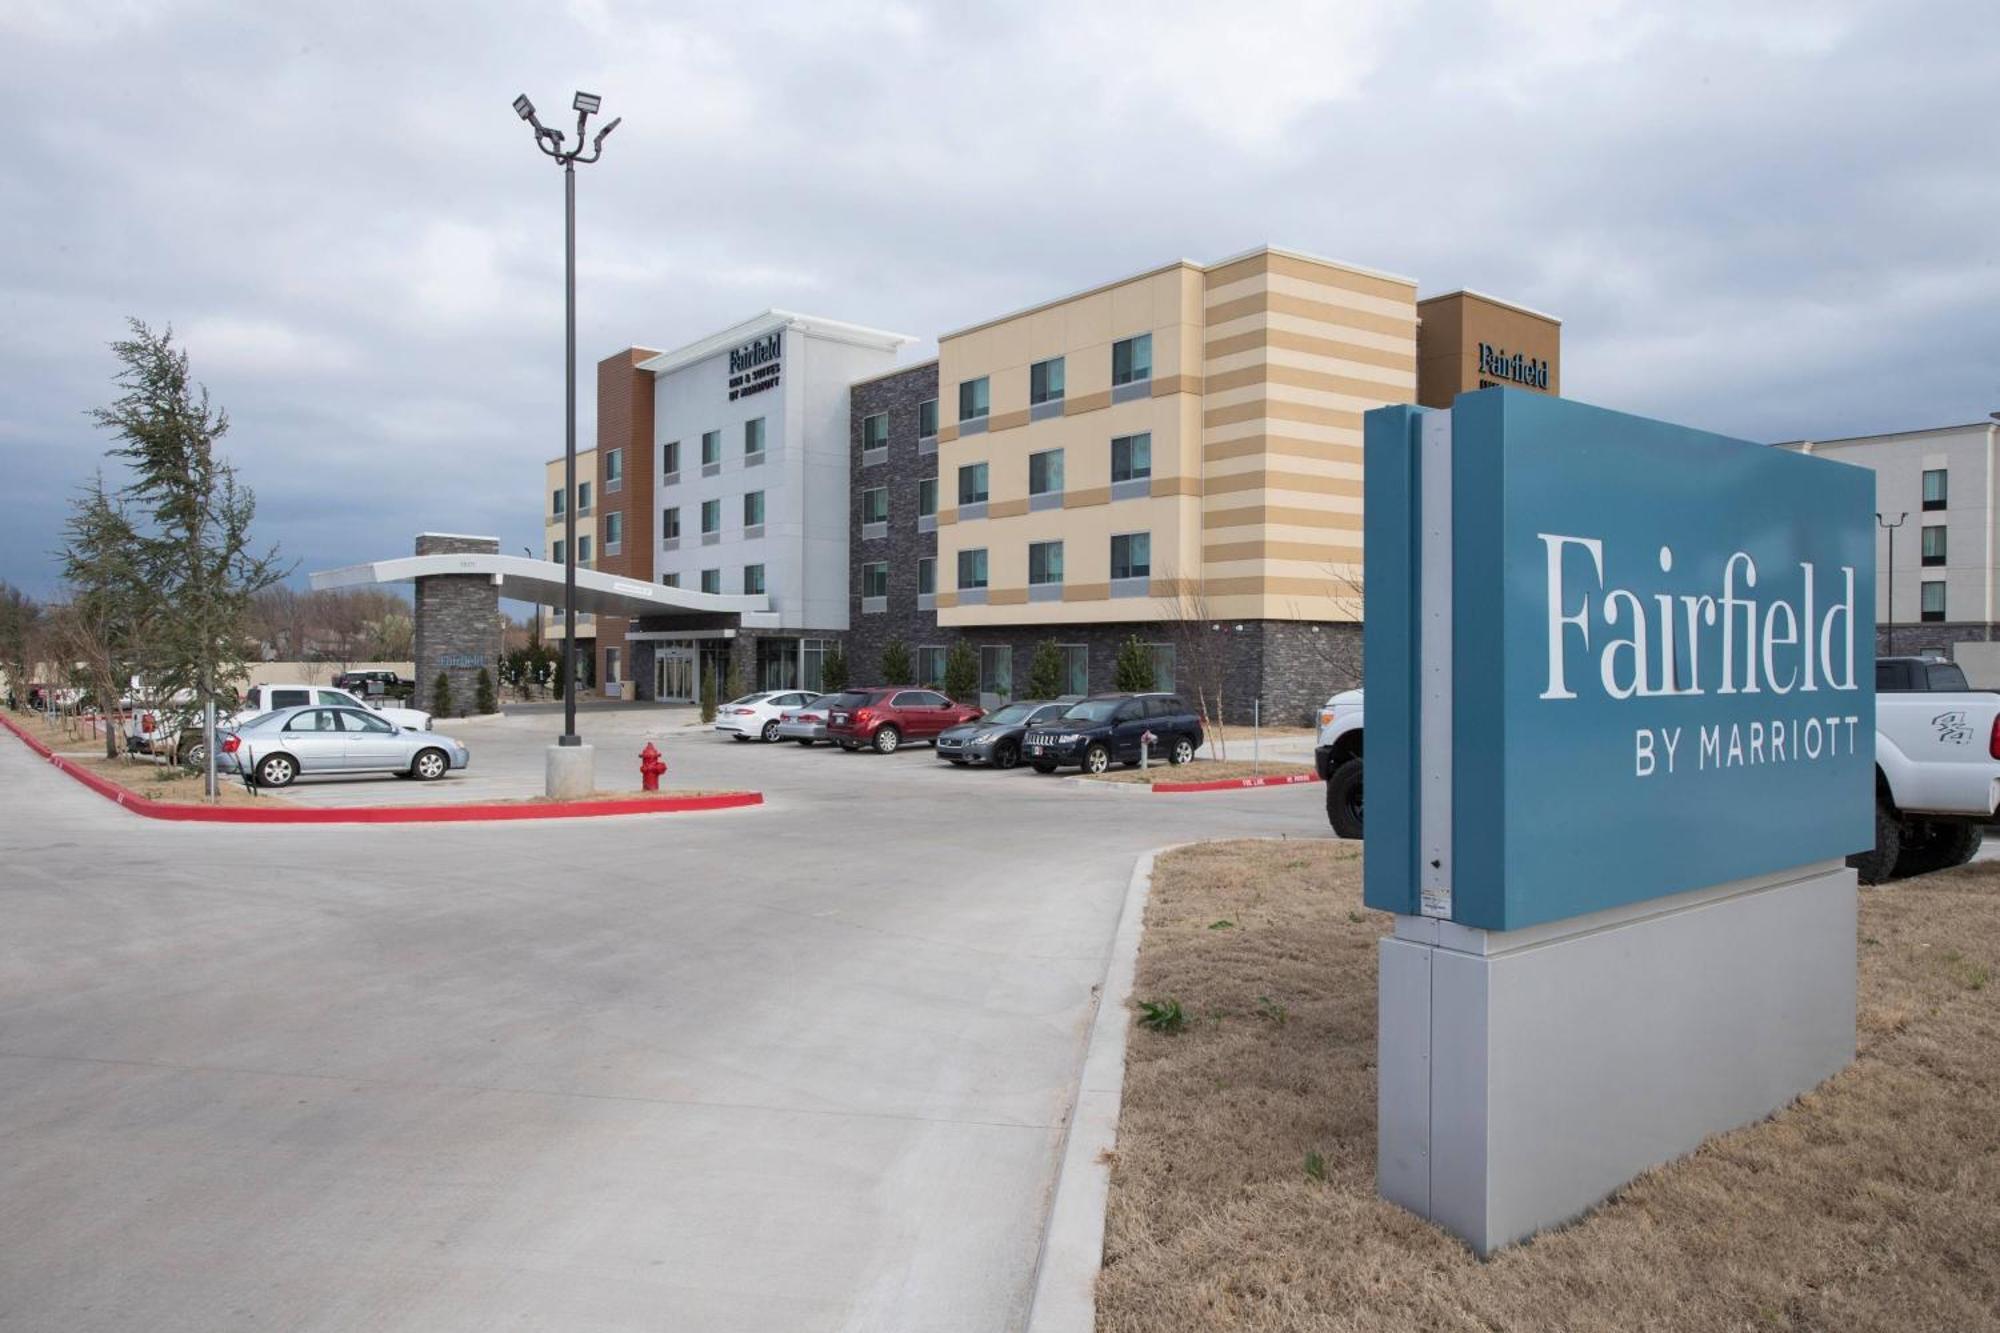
x,y
803,1066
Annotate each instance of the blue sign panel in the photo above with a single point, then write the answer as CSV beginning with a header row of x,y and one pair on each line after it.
x,y
1608,659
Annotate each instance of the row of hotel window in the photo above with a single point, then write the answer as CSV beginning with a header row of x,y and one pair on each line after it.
x,y
1131,460
1131,363
1131,559
754,440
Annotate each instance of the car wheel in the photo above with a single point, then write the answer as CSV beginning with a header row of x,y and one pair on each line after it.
x,y
770,732
1096,759
195,757
1042,766
276,770
430,765
1878,863
806,741
1182,753
887,738
850,746
1343,800
1943,844
1006,754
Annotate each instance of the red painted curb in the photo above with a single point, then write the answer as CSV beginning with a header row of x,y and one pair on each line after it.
x,y
383,814
1237,784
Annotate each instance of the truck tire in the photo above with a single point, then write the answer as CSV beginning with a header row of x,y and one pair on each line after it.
x,y
1343,800
1878,863
1939,845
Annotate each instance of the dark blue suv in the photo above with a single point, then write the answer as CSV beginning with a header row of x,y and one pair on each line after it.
x,y
1108,729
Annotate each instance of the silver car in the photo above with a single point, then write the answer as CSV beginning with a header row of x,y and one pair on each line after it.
x,y
277,747
807,722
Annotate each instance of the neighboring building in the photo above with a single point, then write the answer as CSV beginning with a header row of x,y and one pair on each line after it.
x,y
1175,456
1940,486
586,546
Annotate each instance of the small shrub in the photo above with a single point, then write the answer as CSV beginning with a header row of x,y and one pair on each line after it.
x,y
1315,1166
1271,1009
1162,1015
1045,671
961,672
485,702
1223,924
708,694
833,671
1133,672
733,683
896,668
441,695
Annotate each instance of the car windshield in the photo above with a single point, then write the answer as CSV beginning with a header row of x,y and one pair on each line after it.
x,y
1012,713
1094,710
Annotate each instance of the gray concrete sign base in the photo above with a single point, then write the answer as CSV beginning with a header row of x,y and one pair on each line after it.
x,y
1526,1075
571,772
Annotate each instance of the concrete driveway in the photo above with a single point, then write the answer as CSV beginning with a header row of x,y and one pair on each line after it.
x,y
798,1067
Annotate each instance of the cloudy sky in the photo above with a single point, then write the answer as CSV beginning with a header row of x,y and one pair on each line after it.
x,y
1770,219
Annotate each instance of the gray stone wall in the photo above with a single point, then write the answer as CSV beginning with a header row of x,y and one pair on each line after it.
x,y
457,622
1932,639
898,395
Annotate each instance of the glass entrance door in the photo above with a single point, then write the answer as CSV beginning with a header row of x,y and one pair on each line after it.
x,y
674,673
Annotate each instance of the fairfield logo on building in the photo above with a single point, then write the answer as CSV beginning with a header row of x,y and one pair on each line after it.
x,y
1516,369
753,367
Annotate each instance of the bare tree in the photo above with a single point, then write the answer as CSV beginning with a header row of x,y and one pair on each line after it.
x,y
1200,647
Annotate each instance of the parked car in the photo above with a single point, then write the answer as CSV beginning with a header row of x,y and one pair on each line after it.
x,y
260,699
1910,675
371,682
279,747
996,738
806,723
755,716
1108,728
887,717
1937,776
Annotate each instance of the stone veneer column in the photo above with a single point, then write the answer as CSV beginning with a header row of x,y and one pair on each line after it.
x,y
457,622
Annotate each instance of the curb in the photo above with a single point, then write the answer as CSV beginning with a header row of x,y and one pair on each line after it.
x,y
470,812
1072,1250
1237,784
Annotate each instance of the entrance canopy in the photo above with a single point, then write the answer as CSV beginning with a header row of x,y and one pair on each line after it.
x,y
541,581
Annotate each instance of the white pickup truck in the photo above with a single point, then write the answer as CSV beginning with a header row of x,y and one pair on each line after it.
x,y
152,730
1937,777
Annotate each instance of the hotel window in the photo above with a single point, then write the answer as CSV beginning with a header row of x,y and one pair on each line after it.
x,y
1132,555
711,516
753,579
930,665
583,497
556,552
753,509
614,471
1045,563
875,432
614,533
1163,665
753,437
972,400
1132,360
1934,544
711,447
1045,381
556,503
1075,668
812,663
972,484
670,458
1933,600
1045,472
927,497
927,418
1934,488
996,669
670,524
711,580
926,576
875,579
670,580
583,550
1131,457
972,568
875,505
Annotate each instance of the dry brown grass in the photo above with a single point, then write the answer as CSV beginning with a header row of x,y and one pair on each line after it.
x,y
1237,731
1200,770
1873,1203
177,786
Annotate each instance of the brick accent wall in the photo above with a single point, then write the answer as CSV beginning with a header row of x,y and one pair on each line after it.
x,y
456,616
625,422
899,395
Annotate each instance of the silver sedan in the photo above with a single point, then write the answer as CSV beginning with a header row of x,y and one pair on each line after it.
x,y
807,722
277,747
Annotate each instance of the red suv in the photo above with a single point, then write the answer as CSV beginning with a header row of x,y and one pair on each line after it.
x,y
887,718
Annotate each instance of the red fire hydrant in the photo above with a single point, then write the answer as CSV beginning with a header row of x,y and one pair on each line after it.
x,y
651,765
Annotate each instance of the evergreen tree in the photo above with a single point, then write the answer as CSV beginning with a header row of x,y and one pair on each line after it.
x,y
105,624
485,701
833,671
1133,673
441,696
896,668
1045,672
708,700
961,671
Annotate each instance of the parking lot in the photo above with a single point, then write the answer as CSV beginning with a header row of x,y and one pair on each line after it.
x,y
801,1066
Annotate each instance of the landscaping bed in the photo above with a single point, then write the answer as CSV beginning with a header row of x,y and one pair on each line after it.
x,y
1204,770
1243,1184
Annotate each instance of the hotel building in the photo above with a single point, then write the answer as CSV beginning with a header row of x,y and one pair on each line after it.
x,y
1174,455
586,545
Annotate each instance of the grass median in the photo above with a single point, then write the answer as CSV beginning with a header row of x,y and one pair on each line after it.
x,y
1243,1186
1202,770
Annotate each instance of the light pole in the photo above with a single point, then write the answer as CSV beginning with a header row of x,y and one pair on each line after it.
x,y
1890,528
551,143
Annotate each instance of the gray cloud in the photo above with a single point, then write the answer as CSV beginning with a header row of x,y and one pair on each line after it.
x,y
1770,220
